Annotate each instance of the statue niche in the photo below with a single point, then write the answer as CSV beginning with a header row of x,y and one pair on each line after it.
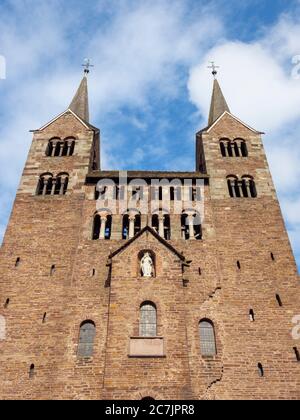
x,y
147,264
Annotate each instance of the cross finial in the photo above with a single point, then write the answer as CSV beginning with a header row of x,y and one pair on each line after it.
x,y
87,65
214,68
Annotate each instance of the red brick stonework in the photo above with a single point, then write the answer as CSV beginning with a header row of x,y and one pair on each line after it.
x,y
243,262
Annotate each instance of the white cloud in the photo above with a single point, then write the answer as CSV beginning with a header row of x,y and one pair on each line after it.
x,y
256,79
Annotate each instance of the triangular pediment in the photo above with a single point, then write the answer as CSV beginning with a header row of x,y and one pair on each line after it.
x,y
85,124
225,115
148,231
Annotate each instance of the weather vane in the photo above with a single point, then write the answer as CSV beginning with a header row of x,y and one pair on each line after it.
x,y
87,65
214,68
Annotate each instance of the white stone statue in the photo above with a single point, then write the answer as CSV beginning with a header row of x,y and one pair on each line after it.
x,y
147,266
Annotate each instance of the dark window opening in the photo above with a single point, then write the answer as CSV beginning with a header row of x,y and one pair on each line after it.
x,y
108,227
244,149
18,262
57,188
167,227
31,371
125,227
172,194
253,190
6,303
57,149
137,224
229,149
261,372
52,270
96,227
200,271
223,149
238,265
155,222
252,315
272,256
279,301
185,227
297,354
49,184
44,318
236,149
244,188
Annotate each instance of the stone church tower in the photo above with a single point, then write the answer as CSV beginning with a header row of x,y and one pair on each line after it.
x,y
173,303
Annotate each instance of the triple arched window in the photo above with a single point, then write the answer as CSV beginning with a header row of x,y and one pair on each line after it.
x,y
148,320
86,339
241,188
233,148
58,147
51,185
207,338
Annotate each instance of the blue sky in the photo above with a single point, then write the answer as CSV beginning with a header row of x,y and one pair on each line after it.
x,y
150,87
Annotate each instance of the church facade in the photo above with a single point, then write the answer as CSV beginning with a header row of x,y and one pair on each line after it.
x,y
139,285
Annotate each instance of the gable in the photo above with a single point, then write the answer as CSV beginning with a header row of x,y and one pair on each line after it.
x,y
229,125
148,235
66,119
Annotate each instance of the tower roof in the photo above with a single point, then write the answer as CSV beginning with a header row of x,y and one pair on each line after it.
x,y
218,104
80,102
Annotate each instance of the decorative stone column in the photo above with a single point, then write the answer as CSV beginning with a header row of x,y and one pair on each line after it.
x,y
53,148
53,186
69,148
62,186
161,226
191,226
131,226
103,227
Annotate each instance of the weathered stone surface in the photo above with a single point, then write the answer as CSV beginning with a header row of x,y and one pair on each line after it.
x,y
89,285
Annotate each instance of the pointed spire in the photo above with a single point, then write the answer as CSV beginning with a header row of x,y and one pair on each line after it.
x,y
218,103
80,102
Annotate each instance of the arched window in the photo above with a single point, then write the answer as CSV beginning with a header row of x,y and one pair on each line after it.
x,y
261,372
148,320
31,371
207,338
96,227
233,186
61,184
86,339
248,187
53,147
45,184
